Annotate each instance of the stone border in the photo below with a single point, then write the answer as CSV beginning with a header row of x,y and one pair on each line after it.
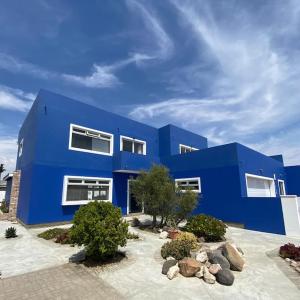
x,y
285,267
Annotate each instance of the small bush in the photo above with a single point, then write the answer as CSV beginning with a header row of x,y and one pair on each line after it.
x,y
210,228
188,237
4,208
11,232
177,249
132,236
290,251
52,233
100,228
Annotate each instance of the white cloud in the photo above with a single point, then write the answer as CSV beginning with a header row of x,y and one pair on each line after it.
x,y
163,44
254,94
8,152
15,99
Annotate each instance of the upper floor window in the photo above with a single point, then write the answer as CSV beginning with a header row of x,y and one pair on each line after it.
x,y
81,190
20,151
132,145
90,140
192,184
186,149
281,186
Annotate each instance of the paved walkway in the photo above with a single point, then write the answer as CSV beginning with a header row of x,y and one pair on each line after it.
x,y
65,282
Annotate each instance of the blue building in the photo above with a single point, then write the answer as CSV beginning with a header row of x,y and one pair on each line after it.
x,y
71,153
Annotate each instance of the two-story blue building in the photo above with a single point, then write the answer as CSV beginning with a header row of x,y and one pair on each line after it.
x,y
71,153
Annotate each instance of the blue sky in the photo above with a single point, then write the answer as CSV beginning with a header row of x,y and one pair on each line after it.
x,y
228,70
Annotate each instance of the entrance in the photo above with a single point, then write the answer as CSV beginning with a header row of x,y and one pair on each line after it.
x,y
132,206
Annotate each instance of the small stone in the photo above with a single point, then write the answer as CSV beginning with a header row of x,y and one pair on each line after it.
x,y
294,264
160,230
234,257
207,264
170,258
163,235
214,269
225,277
189,266
208,277
216,257
202,257
287,259
200,273
167,265
173,272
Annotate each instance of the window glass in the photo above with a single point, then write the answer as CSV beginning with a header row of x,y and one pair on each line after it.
x,y
281,188
133,146
138,148
127,145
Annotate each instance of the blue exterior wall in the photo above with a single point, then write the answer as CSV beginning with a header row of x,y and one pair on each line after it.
x,y
292,184
46,159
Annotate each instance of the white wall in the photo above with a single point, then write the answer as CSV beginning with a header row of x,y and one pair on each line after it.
x,y
2,195
291,215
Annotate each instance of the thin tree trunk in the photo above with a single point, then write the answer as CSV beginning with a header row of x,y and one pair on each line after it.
x,y
154,221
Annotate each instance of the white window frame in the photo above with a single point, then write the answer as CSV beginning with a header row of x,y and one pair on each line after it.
x,y
189,179
284,191
134,140
65,202
20,150
91,151
187,147
272,187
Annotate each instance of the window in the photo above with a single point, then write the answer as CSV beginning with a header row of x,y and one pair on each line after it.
x,y
186,149
90,140
281,186
192,184
132,145
259,186
20,151
81,190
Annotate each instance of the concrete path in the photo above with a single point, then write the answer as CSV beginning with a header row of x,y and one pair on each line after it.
x,y
28,253
68,281
261,278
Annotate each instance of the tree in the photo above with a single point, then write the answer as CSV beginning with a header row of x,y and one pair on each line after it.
x,y
1,170
156,192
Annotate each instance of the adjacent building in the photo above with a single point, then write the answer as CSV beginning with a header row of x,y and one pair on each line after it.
x,y
71,153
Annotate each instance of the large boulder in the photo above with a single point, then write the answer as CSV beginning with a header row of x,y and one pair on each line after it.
x,y
189,266
207,276
234,257
225,277
167,265
216,257
173,272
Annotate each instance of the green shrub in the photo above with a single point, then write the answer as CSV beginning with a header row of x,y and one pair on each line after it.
x,y
52,233
4,208
100,228
210,228
132,236
11,232
177,249
188,237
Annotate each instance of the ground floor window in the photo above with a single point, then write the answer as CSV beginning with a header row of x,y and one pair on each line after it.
x,y
259,186
281,186
81,190
193,184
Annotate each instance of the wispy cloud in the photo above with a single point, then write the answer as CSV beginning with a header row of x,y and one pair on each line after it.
x,y
253,88
8,152
163,45
15,99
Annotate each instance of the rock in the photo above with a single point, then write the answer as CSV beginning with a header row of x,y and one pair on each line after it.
x,y
214,269
173,272
207,276
78,257
201,239
207,264
294,264
189,266
202,257
163,235
225,277
167,265
216,257
160,230
170,258
288,260
234,257
297,269
200,273
240,251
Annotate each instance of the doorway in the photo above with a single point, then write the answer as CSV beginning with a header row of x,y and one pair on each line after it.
x,y
132,205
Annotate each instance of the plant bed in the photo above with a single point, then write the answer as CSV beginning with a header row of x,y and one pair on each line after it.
x,y
291,254
58,235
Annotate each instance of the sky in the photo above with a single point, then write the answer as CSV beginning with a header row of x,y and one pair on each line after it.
x,y
227,69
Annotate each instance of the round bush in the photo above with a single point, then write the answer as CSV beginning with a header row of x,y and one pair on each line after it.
x,y
188,237
210,228
100,228
177,248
